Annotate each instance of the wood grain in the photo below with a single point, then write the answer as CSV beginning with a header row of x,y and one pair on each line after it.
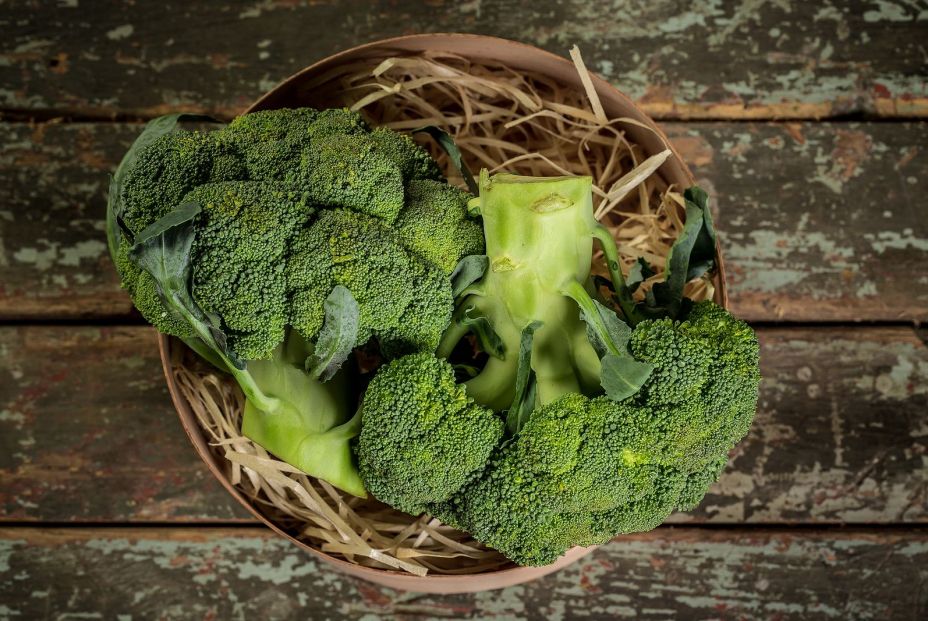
x,y
87,432
818,221
668,573
719,59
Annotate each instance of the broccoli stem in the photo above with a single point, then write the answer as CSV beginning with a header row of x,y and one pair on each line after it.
x,y
622,293
539,239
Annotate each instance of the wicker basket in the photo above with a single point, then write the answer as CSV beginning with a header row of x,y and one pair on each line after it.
x,y
315,86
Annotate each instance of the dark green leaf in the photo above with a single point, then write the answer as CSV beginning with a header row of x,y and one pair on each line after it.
x,y
446,142
623,376
163,250
640,271
153,130
338,334
487,337
702,257
468,270
609,336
524,401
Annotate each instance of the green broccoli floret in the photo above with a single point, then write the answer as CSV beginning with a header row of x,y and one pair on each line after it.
x,y
168,168
350,171
680,358
421,437
562,481
272,142
702,394
350,249
413,161
434,223
420,326
240,254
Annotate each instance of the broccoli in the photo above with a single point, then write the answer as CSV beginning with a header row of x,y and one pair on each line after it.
x,y
564,480
578,466
421,437
539,236
238,241
434,223
168,168
402,299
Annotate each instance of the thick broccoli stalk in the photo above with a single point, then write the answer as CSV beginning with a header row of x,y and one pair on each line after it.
x,y
421,437
539,240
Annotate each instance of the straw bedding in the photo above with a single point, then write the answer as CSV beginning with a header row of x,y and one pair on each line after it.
x,y
502,120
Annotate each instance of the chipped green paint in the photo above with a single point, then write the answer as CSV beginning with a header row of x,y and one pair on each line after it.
x,y
669,573
842,427
806,233
705,59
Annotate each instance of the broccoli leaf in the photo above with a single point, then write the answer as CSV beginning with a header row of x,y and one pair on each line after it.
x,y
489,340
337,336
690,256
524,401
153,130
621,375
702,257
639,272
446,142
468,270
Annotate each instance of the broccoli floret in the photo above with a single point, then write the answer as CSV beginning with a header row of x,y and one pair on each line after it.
x,y
349,171
434,223
561,481
680,358
240,254
421,437
413,161
168,168
420,326
250,131
350,249
702,394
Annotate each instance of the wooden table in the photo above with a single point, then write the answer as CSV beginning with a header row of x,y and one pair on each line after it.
x,y
804,119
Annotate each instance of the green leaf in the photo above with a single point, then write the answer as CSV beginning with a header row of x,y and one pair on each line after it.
x,y
524,401
446,142
468,270
639,272
702,257
489,340
338,334
153,130
691,255
623,376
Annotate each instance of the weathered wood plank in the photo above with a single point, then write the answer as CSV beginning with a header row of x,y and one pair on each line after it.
x,y
819,221
720,59
87,432
668,573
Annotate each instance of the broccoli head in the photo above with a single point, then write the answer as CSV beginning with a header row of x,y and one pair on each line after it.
x,y
402,299
421,437
240,253
564,480
435,224
168,168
